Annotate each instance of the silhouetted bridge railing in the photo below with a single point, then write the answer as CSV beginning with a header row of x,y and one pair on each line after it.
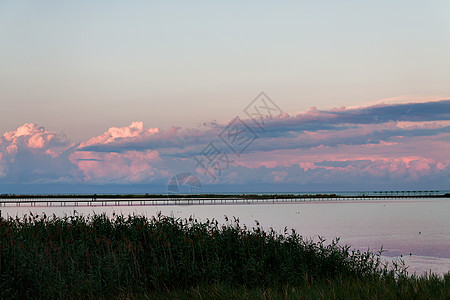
x,y
62,201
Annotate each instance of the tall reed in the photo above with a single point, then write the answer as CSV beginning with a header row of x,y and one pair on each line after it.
x,y
49,257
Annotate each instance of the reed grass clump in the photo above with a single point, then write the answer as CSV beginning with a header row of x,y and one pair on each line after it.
x,y
77,256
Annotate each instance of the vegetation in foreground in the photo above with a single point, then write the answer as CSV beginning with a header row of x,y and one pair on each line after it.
x,y
165,257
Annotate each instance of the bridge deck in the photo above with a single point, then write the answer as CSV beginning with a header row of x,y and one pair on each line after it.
x,y
120,201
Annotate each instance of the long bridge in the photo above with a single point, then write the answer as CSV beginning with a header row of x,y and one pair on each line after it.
x,y
159,200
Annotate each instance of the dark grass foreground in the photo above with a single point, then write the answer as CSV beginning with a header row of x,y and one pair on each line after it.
x,y
164,257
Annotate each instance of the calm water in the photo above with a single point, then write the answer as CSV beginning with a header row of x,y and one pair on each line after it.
x,y
417,226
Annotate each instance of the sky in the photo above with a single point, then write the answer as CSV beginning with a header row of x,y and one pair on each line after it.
x,y
114,96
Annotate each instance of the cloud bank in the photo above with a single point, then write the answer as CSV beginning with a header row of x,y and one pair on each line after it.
x,y
377,146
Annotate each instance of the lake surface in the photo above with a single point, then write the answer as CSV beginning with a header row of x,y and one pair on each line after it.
x,y
420,227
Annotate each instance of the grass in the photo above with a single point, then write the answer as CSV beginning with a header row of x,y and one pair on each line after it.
x,y
165,257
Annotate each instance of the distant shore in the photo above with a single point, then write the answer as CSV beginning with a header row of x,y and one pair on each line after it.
x,y
380,195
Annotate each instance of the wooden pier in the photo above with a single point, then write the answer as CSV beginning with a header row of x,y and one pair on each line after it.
x,y
103,200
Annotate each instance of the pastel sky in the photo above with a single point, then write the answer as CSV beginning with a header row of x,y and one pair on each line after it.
x,y
119,96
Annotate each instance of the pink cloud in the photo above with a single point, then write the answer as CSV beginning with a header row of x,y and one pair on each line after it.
x,y
424,125
380,142
33,137
413,167
32,153
118,166
115,133
36,141
2,167
127,167
280,176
